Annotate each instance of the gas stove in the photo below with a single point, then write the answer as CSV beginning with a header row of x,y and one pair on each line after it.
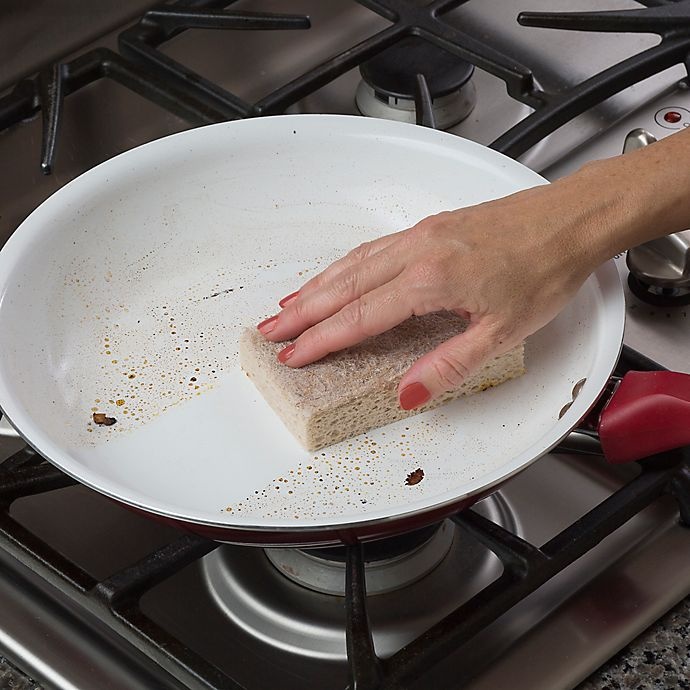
x,y
561,565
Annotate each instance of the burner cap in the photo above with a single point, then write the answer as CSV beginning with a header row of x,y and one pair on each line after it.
x,y
389,83
392,73
658,296
391,563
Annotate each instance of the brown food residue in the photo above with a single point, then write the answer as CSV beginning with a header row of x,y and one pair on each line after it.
x,y
415,477
102,419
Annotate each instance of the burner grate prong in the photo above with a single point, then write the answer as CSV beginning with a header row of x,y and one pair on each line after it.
x,y
126,587
29,479
667,19
423,103
518,557
51,94
365,666
22,458
172,18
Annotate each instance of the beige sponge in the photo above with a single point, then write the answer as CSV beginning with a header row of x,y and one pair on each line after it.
x,y
354,390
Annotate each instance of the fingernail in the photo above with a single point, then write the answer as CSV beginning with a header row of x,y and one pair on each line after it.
x,y
414,395
286,300
285,354
268,325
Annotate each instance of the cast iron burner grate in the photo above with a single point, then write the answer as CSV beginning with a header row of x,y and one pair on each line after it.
x,y
185,97
145,69
115,600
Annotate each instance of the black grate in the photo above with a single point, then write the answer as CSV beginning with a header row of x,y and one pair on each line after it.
x,y
145,69
671,21
46,91
115,600
525,566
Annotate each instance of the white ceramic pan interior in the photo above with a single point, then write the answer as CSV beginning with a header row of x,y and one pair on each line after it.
x,y
125,293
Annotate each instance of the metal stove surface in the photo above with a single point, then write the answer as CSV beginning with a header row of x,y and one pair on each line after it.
x,y
105,119
572,624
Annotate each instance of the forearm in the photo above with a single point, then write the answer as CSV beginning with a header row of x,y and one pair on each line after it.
x,y
632,198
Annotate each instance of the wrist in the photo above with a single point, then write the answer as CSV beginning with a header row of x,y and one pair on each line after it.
x,y
589,219
636,197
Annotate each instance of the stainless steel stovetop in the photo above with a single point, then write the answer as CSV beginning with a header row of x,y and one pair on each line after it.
x,y
233,607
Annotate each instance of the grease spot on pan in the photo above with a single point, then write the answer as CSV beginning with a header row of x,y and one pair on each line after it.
x,y
348,477
163,342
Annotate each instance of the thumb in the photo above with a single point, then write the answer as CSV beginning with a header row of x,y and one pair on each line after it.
x,y
447,367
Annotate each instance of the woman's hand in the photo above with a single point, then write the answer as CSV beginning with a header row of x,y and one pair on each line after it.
x,y
502,265
508,266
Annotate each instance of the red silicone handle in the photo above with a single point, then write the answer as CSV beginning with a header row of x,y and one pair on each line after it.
x,y
649,413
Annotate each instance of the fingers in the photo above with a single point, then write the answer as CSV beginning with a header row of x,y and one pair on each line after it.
x,y
352,258
372,313
343,288
446,367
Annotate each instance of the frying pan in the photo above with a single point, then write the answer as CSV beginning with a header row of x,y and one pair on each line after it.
x,y
125,292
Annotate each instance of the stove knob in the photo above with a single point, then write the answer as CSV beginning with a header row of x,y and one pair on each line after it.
x,y
637,139
664,262
662,265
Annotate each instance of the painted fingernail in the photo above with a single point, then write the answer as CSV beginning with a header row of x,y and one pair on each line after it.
x,y
268,325
414,395
285,354
286,300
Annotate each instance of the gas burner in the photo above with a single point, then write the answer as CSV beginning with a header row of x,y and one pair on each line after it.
x,y
390,563
449,567
389,85
660,270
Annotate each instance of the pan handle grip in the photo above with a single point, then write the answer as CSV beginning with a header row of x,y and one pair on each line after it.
x,y
649,413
